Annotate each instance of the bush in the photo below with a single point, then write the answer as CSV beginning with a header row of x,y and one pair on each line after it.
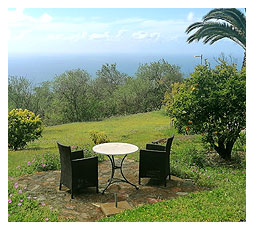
x,y
212,103
99,137
23,127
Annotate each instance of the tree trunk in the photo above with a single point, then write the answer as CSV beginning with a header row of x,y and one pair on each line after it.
x,y
224,152
244,60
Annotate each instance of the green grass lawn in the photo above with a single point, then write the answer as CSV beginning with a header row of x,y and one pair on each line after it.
x,y
225,201
137,129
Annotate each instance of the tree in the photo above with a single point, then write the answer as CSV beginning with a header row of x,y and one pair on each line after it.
x,y
72,91
20,93
213,103
134,96
159,77
42,100
110,77
218,24
108,80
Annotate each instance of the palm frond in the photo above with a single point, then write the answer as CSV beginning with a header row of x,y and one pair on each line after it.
x,y
230,15
194,26
220,23
214,31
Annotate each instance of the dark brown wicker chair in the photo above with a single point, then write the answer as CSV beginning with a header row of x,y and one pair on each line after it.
x,y
76,171
154,161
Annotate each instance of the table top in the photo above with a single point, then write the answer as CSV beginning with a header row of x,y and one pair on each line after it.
x,y
115,148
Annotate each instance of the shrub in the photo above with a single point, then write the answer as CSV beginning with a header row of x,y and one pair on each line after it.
x,y
99,137
213,103
23,127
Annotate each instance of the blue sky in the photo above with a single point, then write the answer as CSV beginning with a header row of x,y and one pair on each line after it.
x,y
105,30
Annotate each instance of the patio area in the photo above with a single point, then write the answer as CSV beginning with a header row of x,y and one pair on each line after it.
x,y
86,206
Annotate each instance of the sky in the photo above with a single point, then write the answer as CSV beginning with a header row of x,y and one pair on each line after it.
x,y
49,31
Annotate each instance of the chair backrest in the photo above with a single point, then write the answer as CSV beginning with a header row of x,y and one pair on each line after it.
x,y
65,156
169,144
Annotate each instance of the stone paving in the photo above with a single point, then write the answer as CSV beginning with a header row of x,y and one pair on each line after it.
x,y
85,206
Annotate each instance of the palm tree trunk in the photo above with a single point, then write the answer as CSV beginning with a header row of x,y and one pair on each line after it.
x,y
244,60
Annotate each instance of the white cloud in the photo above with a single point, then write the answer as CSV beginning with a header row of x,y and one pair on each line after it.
x,y
144,35
96,36
190,16
73,37
120,33
45,18
20,35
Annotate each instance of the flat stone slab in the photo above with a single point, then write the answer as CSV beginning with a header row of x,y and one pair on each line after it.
x,y
109,208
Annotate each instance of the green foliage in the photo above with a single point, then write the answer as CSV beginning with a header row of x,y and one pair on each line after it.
x,y
74,96
71,90
159,77
20,92
23,207
98,137
40,162
212,102
23,127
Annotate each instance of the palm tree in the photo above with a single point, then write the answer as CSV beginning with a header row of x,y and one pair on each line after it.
x,y
221,23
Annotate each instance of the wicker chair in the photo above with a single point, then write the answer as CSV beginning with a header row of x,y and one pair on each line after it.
x,y
76,171
154,161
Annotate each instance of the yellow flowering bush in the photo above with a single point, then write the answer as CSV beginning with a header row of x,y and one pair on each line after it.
x,y
23,127
98,137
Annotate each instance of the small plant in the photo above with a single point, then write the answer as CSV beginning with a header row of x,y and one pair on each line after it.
x,y
98,137
41,162
23,207
23,127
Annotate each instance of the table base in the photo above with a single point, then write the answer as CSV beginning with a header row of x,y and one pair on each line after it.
x,y
113,180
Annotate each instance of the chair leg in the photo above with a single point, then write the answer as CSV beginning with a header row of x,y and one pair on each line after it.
x,y
60,186
139,180
71,194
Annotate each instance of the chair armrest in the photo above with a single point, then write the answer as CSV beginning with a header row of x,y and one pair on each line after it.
x,y
78,154
85,161
153,153
156,147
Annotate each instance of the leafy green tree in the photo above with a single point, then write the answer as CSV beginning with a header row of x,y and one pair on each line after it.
x,y
133,97
218,24
73,96
213,103
20,93
160,76
110,77
42,100
108,80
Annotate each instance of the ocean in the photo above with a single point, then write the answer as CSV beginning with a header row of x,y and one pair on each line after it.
x,y
39,68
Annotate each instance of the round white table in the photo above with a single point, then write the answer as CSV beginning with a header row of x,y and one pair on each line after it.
x,y
113,149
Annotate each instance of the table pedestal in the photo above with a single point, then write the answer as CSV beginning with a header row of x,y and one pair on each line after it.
x,y
113,180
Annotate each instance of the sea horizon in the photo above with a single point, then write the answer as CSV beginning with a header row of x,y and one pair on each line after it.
x,y
42,67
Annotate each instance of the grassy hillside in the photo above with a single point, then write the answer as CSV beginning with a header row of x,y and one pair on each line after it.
x,y
224,201
137,129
